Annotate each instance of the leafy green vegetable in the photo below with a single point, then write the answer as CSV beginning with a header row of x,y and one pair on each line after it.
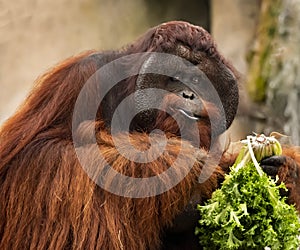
x,y
248,213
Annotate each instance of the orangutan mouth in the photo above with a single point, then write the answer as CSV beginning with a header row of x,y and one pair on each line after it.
x,y
190,115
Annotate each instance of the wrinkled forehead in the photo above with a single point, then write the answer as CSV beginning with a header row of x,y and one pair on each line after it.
x,y
193,56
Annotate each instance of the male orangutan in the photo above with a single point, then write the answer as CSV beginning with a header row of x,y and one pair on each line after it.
x,y
49,200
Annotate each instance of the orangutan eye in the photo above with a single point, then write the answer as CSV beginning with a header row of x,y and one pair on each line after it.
x,y
195,79
175,78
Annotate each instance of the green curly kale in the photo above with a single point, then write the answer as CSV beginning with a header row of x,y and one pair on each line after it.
x,y
248,213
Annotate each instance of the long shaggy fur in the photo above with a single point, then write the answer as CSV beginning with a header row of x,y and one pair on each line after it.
x,y
47,200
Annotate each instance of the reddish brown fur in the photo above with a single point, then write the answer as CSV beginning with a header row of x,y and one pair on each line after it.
x,y
47,201
289,173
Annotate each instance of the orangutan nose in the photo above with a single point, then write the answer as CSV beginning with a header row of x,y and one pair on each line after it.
x,y
188,95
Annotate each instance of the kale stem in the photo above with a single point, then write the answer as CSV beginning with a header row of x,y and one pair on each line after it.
x,y
250,149
244,161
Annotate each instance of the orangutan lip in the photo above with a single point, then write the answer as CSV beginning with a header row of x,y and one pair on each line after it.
x,y
189,115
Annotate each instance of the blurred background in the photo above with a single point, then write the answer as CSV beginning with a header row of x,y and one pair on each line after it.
x,y
260,37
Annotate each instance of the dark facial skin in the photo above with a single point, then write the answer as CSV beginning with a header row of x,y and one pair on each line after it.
x,y
195,85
